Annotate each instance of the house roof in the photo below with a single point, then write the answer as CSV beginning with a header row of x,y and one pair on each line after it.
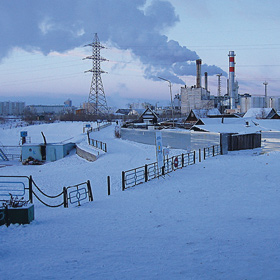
x,y
136,112
212,121
260,113
123,111
203,113
149,111
130,111
239,125
228,128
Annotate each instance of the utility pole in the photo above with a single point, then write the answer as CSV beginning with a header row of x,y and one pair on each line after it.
x,y
265,94
172,109
97,104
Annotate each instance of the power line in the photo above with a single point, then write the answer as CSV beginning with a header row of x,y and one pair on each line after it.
x,y
40,79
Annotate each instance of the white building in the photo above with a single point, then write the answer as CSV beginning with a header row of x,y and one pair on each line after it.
x,y
195,98
11,108
47,109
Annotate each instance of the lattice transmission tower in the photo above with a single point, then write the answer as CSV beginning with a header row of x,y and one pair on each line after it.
x,y
97,104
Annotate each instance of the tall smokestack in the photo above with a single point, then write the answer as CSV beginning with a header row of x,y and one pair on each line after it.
x,y
206,80
198,73
231,79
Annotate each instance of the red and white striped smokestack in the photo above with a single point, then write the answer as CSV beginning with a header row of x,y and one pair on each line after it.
x,y
198,73
231,79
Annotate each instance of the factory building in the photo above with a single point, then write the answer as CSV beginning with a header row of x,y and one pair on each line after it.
x,y
196,97
247,101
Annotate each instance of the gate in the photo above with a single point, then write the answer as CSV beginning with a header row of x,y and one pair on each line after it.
x,y
26,188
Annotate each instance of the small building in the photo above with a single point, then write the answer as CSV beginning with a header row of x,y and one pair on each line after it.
x,y
195,115
149,117
262,113
130,112
80,111
136,112
46,152
124,112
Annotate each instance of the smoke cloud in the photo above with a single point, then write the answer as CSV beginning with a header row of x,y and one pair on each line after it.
x,y
62,25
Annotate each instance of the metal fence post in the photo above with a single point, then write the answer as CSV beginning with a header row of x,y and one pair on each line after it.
x,y
123,180
146,173
213,150
65,199
162,170
199,155
109,185
182,160
90,196
204,149
6,216
30,180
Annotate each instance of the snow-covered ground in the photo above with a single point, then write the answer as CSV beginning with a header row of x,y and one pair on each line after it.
x,y
218,219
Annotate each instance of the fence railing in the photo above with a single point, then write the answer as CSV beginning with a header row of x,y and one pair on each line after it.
x,y
136,176
98,144
20,185
11,152
99,127
95,143
211,151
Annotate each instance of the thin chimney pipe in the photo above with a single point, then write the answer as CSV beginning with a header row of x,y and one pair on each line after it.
x,y
198,73
206,80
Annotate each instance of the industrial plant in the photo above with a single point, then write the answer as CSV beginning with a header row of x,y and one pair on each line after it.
x,y
199,97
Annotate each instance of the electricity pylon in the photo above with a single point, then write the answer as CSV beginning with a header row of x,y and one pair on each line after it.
x,y
97,104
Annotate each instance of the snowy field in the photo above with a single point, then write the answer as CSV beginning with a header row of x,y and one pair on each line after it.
x,y
218,219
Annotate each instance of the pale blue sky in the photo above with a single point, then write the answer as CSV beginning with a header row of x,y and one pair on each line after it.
x,y
41,57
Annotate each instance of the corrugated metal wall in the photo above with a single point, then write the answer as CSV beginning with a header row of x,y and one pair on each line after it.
x,y
244,141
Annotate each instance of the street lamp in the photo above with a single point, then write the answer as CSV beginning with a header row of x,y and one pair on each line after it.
x,y
171,100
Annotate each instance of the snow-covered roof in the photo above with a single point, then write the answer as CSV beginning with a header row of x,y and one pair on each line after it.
x,y
136,112
203,113
150,113
259,113
240,128
211,121
266,125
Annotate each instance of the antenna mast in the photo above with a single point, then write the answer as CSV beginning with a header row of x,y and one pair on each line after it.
x,y
97,104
